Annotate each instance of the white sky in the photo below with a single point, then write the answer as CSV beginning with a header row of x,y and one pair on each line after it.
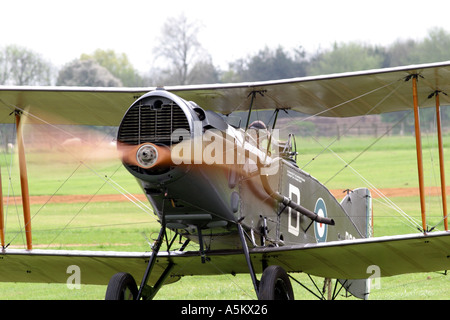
x,y
62,30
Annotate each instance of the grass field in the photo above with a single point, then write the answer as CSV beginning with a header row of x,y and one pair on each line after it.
x,y
123,226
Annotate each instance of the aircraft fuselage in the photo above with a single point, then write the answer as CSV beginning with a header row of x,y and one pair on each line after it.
x,y
213,180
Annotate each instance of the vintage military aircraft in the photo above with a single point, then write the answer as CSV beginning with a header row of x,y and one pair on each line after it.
x,y
236,190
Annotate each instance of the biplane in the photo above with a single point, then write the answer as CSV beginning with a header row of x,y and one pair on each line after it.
x,y
233,187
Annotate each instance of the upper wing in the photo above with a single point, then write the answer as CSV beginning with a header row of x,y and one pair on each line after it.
x,y
349,259
338,95
69,105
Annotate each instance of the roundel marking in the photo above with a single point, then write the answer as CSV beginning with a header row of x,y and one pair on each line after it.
x,y
320,229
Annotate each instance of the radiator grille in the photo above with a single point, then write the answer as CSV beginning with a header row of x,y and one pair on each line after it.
x,y
143,123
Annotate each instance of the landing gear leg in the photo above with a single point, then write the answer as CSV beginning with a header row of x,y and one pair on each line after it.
x,y
123,287
274,284
249,260
151,263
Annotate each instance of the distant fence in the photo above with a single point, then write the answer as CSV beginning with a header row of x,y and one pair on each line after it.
x,y
354,126
300,126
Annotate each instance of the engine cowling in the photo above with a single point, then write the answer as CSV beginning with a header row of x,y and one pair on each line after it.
x,y
150,128
189,196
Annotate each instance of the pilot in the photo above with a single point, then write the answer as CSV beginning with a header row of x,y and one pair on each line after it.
x,y
258,124
258,131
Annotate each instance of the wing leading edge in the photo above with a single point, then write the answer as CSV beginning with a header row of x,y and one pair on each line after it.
x,y
337,95
349,259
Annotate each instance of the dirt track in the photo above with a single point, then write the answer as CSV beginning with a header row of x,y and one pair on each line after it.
x,y
339,194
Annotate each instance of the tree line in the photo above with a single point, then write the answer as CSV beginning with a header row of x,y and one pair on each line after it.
x,y
181,59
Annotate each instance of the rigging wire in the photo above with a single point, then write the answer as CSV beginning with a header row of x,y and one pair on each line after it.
x,y
11,190
107,180
356,122
364,150
278,103
377,191
371,186
347,164
119,188
231,278
79,211
20,231
131,197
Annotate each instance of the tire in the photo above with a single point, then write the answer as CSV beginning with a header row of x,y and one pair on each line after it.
x,y
121,286
275,285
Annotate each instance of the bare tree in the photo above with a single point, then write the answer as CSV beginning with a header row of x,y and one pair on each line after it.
x,y
179,45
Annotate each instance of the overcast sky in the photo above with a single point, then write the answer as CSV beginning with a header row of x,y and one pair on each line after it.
x,y
62,30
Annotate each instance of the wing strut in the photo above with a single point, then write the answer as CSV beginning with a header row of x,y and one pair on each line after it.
x,y
24,181
248,259
419,151
2,221
253,94
441,156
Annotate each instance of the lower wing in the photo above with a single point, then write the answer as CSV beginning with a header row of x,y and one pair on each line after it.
x,y
349,259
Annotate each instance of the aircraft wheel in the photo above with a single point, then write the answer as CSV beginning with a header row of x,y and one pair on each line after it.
x,y
121,286
275,285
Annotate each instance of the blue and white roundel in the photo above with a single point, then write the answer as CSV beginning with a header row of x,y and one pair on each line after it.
x,y
320,229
